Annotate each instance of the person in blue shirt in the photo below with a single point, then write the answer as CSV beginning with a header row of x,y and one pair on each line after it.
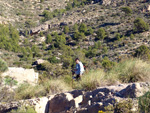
x,y
79,70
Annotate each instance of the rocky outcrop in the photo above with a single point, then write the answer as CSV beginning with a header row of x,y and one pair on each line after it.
x,y
93,101
114,2
21,75
63,101
148,8
84,102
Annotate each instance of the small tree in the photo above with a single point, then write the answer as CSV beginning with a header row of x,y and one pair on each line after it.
x,y
118,36
47,15
131,36
140,25
35,50
78,36
69,6
75,28
106,63
83,28
127,10
90,31
101,34
66,29
142,52
48,39
43,45
24,52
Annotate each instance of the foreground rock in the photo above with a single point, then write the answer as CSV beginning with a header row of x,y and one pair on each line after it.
x,y
84,102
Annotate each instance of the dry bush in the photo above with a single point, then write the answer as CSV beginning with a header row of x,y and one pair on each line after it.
x,y
26,91
91,80
131,70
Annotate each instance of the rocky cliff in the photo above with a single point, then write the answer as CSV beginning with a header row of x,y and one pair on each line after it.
x,y
79,101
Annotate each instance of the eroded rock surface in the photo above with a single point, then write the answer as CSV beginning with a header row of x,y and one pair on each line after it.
x,y
22,75
84,102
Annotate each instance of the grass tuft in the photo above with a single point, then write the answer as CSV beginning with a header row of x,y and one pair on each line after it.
x,y
132,70
91,80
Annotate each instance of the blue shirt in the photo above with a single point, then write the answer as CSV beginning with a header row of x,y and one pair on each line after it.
x,y
79,68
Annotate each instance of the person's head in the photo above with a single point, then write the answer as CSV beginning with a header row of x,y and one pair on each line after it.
x,y
77,60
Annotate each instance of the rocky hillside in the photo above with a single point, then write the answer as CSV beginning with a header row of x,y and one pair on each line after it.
x,y
107,99
17,12
110,37
120,38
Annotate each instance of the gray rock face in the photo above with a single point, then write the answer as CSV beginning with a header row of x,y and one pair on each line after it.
x,y
93,101
114,2
135,90
21,75
61,102
84,102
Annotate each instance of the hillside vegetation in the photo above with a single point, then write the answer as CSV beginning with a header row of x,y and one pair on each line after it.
x,y
112,41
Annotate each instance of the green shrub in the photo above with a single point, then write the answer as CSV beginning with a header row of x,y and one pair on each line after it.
x,y
41,1
69,6
90,31
10,81
140,25
105,50
47,86
67,62
47,15
48,39
83,28
101,34
144,103
127,10
77,3
24,109
91,80
66,29
78,36
124,106
142,52
9,38
58,86
60,40
6,95
3,66
75,28
29,24
43,45
35,50
106,63
118,36
91,53
131,70
27,91
53,59
131,36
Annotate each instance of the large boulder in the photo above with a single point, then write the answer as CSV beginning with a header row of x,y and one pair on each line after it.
x,y
85,102
61,102
42,105
21,75
6,107
134,90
